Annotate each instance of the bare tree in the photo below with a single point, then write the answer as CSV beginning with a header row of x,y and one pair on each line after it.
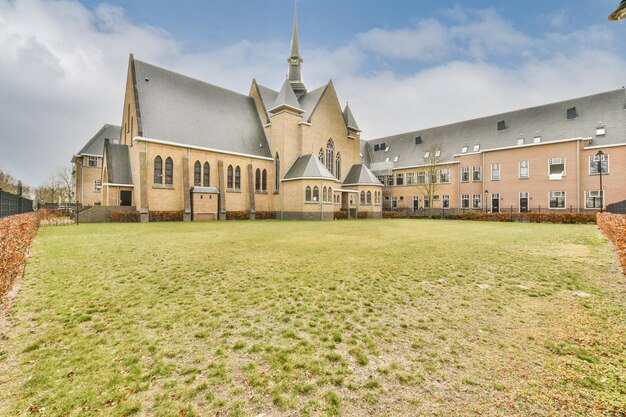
x,y
64,182
429,175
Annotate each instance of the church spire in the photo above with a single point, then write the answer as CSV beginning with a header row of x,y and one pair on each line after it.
x,y
295,61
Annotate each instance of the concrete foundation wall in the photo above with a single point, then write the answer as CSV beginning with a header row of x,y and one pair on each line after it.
x,y
100,214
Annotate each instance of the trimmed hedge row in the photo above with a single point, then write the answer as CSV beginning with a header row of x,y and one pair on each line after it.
x,y
532,217
16,235
166,216
394,215
125,216
614,227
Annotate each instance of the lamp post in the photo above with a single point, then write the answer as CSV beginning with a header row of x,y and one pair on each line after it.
x,y
619,13
599,156
486,195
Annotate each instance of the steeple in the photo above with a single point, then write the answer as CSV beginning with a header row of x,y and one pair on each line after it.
x,y
295,61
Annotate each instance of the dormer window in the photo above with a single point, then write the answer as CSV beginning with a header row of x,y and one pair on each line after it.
x,y
387,149
600,130
520,141
438,153
376,148
537,139
395,159
572,113
477,147
464,149
426,154
501,125
387,160
418,140
382,146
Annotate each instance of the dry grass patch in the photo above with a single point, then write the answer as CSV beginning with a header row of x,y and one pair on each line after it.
x,y
383,318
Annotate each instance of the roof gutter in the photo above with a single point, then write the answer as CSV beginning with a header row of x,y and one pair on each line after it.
x,y
201,148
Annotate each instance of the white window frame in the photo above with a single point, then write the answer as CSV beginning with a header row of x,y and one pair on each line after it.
x,y
410,178
557,161
593,163
477,169
562,194
438,153
495,167
94,159
476,147
527,169
464,149
601,130
426,154
445,201
599,194
399,176
97,185
466,170
520,141
466,197
444,172
477,197
422,180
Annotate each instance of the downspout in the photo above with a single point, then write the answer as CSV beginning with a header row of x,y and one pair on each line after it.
x,y
578,176
82,184
321,201
484,175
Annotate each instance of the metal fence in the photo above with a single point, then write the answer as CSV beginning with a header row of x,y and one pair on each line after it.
x,y
11,204
617,208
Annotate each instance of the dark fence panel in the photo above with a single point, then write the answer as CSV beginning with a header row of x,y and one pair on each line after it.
x,y
617,208
11,204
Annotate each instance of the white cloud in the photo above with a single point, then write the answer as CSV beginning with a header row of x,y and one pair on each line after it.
x,y
64,68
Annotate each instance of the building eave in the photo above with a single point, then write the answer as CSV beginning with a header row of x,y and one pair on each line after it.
x,y
201,148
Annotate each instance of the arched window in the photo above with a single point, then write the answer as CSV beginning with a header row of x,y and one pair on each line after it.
x,y
277,172
158,170
206,180
338,166
197,175
316,194
369,197
257,180
324,195
362,197
307,193
169,171
237,178
321,156
330,195
264,180
229,175
330,155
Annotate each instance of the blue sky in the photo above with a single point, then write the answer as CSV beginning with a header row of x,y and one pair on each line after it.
x,y
402,65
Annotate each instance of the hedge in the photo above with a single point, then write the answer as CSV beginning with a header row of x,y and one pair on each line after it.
x,y
394,215
166,216
265,215
125,216
16,235
341,215
531,217
614,227
238,215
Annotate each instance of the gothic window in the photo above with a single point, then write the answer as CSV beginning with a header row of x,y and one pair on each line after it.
x,y
369,197
169,171
207,175
158,170
338,166
362,197
321,156
229,182
316,193
324,195
237,178
197,174
330,155
307,193
277,173
264,180
257,180
330,195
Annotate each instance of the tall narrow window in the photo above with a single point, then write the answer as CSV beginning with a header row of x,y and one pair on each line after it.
x,y
277,173
197,175
338,166
444,175
330,155
601,162
476,173
257,180
362,197
495,172
321,155
465,174
207,175
324,194
556,168
465,201
158,170
477,201
369,197
523,169
229,175
316,194
307,194
169,171
264,180
93,161
237,178
445,202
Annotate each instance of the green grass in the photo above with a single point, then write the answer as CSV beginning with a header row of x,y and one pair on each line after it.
x,y
352,318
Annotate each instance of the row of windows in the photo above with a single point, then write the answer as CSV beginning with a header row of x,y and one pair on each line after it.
x,y
557,199
202,174
158,171
313,195
327,158
438,176
366,198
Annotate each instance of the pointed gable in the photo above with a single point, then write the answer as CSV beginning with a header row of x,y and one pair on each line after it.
x,y
349,118
286,99
95,146
361,175
308,167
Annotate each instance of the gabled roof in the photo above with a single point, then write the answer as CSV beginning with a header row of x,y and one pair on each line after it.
x,y
548,121
310,100
286,98
117,163
95,146
349,118
361,175
308,167
180,109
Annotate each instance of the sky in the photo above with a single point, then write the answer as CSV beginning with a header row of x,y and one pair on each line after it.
x,y
402,65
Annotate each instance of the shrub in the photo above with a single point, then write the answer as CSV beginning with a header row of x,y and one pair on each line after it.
x,y
614,227
394,215
341,215
362,215
125,216
238,215
166,216
531,217
265,215
16,235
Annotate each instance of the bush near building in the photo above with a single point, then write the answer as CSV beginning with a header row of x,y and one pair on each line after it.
x,y
16,235
614,227
530,217
166,216
125,216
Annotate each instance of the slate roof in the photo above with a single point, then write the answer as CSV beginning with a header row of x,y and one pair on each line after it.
x,y
361,175
548,121
95,146
349,118
180,109
286,98
118,164
307,102
308,167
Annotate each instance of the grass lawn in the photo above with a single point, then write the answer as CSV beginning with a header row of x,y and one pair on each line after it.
x,y
352,318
